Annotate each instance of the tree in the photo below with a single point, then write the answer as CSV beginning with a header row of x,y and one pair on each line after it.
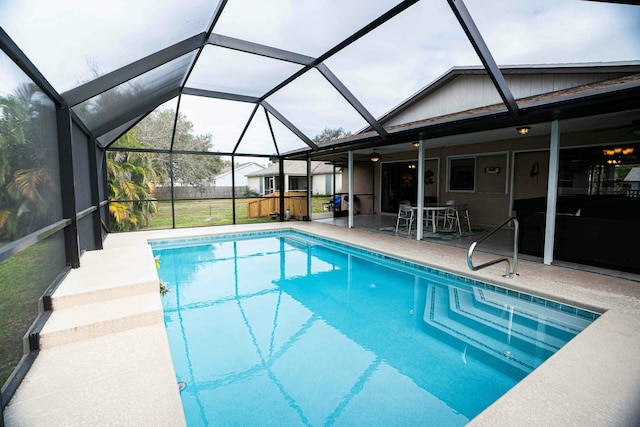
x,y
191,170
29,180
329,134
131,179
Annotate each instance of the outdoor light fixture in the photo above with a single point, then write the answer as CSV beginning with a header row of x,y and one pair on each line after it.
x,y
374,157
416,144
615,155
523,130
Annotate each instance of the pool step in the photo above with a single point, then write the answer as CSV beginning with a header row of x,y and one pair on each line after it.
x,y
114,290
108,274
88,321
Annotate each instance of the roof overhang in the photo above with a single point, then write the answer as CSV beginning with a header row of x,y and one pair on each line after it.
x,y
606,100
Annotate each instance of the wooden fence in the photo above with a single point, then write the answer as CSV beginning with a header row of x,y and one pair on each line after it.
x,y
264,206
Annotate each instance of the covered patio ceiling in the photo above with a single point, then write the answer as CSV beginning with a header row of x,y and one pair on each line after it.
x,y
265,79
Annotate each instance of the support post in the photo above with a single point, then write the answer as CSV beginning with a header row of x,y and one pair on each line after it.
x,y
105,185
281,186
552,193
233,188
95,193
68,197
350,189
173,192
309,190
420,222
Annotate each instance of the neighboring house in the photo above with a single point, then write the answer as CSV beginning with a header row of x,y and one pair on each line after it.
x,y
220,186
295,178
633,179
223,179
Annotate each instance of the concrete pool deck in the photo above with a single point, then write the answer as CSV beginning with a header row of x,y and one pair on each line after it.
x,y
108,362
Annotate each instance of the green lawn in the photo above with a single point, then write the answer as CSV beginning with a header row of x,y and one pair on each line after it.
x,y
23,279
198,213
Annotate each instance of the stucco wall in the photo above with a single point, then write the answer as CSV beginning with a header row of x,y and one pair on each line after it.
x,y
489,204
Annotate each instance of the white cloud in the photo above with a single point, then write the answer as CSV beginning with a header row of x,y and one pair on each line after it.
x,y
308,27
558,31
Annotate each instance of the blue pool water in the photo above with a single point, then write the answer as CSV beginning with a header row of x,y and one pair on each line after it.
x,y
284,329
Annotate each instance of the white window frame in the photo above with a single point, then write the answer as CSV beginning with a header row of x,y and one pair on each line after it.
x,y
475,172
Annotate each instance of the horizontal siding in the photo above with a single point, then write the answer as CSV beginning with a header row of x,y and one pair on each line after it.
x,y
466,92
463,93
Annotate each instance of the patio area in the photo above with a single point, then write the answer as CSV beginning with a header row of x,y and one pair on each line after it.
x,y
500,243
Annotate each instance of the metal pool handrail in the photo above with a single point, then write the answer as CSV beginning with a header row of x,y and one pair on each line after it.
x,y
510,273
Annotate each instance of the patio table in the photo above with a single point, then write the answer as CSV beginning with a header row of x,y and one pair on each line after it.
x,y
432,209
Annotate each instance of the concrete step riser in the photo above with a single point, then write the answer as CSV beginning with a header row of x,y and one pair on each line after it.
x,y
104,294
98,329
106,275
86,321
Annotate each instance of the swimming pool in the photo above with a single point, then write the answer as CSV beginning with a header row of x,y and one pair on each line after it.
x,y
281,328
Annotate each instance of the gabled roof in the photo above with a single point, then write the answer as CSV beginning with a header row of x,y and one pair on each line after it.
x,y
613,95
633,175
238,168
623,68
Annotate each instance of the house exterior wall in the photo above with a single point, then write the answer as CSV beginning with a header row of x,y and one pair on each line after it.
x,y
323,186
254,184
470,91
490,202
319,184
363,187
526,183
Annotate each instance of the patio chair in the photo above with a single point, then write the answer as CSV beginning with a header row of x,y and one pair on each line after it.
x,y
453,215
405,213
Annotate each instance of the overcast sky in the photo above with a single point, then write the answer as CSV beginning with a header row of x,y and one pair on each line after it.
x,y
64,38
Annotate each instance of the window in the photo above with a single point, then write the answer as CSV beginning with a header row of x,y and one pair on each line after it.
x,y
297,183
270,184
462,174
600,171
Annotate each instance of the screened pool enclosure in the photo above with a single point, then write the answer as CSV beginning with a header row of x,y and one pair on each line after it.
x,y
122,115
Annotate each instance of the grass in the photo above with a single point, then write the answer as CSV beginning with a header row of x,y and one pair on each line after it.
x,y
23,279
199,213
